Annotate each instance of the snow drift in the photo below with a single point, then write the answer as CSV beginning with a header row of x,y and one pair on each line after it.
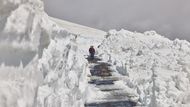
x,y
150,58
25,30
43,60
27,70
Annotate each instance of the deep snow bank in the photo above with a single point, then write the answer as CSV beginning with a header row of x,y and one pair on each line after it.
x,y
25,30
29,77
18,85
150,58
19,40
63,67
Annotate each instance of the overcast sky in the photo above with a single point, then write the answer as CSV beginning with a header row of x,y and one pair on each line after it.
x,y
170,18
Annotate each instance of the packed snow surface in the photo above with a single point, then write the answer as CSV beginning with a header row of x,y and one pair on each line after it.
x,y
43,61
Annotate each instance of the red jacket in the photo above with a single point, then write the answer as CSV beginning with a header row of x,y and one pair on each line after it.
x,y
91,50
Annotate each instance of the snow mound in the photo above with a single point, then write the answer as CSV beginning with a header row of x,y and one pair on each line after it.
x,y
155,65
63,67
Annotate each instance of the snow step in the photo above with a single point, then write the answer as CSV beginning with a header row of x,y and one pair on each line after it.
x,y
100,73
103,64
113,96
112,104
118,94
101,82
104,78
114,89
108,88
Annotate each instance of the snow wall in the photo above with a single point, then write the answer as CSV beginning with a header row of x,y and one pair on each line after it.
x,y
153,64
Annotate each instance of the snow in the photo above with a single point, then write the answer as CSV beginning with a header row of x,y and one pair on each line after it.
x,y
62,66
79,29
42,61
140,54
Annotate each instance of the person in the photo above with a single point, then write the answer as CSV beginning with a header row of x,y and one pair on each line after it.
x,y
92,52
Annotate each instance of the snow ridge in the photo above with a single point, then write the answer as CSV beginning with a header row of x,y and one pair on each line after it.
x,y
143,54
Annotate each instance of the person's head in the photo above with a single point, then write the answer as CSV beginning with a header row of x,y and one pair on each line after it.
x,y
91,46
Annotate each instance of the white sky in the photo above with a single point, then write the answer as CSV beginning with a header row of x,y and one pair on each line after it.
x,y
170,18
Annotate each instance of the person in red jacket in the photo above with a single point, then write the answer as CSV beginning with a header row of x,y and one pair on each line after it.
x,y
92,52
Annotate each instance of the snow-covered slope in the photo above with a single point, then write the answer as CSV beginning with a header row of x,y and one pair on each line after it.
x,y
79,29
43,60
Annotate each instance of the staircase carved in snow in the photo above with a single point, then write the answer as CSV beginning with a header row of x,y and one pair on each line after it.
x,y
103,78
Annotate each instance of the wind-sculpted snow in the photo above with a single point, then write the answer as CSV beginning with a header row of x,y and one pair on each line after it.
x,y
26,78
18,85
43,65
64,68
25,30
150,58
23,25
